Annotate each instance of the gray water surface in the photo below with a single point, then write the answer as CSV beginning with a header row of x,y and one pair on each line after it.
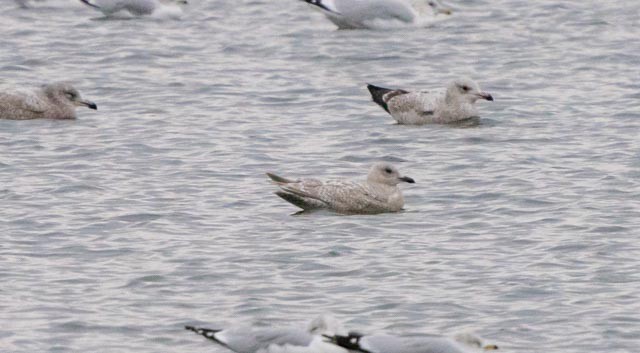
x,y
154,212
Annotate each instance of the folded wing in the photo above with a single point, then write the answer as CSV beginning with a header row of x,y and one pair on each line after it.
x,y
21,106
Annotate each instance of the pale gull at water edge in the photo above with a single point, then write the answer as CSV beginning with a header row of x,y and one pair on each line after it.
x,y
168,8
278,340
378,194
355,14
454,104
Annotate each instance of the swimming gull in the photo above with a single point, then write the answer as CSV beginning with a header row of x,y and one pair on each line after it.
x,y
454,104
461,343
52,101
278,340
355,14
378,194
137,7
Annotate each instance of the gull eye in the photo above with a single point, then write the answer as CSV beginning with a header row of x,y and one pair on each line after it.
x,y
465,88
388,170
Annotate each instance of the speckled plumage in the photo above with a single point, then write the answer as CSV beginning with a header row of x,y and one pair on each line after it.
x,y
455,103
378,194
277,340
353,14
52,101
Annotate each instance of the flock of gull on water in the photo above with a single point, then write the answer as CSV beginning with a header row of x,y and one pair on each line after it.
x,y
379,193
325,334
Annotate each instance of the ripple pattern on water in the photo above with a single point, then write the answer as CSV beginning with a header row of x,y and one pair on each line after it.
x,y
126,224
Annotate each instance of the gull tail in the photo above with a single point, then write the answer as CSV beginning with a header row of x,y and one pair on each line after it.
x,y
207,333
294,195
280,180
86,2
382,95
326,5
378,93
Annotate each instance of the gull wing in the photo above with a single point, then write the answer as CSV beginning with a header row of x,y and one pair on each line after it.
x,y
21,106
415,107
345,196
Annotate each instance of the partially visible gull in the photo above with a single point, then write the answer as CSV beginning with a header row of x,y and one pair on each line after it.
x,y
378,194
278,340
454,104
52,101
26,3
354,14
137,7
461,343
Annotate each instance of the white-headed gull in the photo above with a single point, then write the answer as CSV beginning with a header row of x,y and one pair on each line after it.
x,y
453,104
354,14
314,339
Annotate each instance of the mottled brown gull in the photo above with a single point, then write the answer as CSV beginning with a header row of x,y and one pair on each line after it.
x,y
170,8
454,104
461,343
278,340
354,14
51,101
379,193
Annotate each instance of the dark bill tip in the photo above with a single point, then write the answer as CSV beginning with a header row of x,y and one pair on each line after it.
x,y
92,106
408,180
488,97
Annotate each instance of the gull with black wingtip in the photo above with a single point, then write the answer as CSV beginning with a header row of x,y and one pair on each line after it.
x,y
362,14
278,340
460,343
137,7
455,103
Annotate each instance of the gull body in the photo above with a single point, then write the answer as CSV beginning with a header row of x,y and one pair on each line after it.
x,y
378,194
135,7
355,14
455,103
461,343
51,101
278,340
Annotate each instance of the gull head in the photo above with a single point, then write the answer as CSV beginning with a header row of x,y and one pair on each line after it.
x,y
467,90
438,8
470,340
325,325
65,92
385,173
